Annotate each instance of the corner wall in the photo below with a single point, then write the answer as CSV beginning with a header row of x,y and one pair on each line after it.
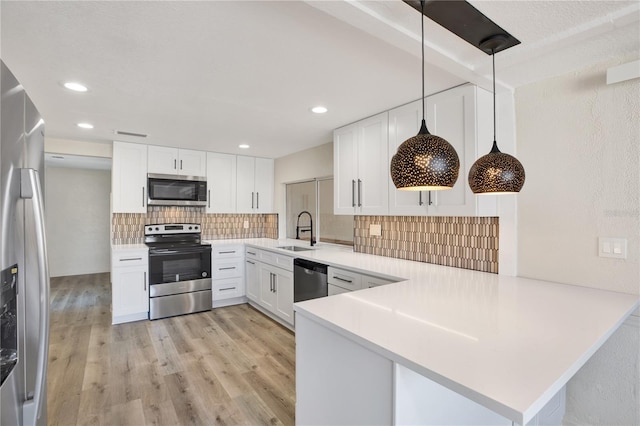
x,y
579,141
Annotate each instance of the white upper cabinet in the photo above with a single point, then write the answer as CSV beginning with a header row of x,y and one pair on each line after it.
x,y
221,183
462,116
361,167
129,178
175,161
254,185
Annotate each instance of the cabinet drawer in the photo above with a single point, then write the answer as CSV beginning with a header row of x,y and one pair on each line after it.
x,y
225,252
334,289
227,268
368,281
275,259
227,289
122,258
252,253
345,279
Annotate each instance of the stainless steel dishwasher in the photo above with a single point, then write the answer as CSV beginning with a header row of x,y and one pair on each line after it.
x,y
309,280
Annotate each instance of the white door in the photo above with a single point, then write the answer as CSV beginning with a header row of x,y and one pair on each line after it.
x,y
284,293
221,183
245,179
264,185
129,178
267,287
192,163
404,123
130,295
163,160
373,166
345,173
252,280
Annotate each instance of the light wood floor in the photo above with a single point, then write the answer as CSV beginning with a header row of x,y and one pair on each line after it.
x,y
227,366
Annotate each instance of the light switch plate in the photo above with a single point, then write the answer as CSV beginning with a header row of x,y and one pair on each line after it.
x,y
375,230
612,247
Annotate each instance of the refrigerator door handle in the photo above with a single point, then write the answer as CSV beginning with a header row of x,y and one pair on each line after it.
x,y
30,188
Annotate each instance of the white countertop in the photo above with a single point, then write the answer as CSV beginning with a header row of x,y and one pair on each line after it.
x,y
508,343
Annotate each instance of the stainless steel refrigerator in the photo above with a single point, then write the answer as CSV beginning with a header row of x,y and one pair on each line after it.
x,y
24,300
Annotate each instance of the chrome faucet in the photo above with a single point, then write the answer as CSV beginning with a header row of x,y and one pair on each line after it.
x,y
305,228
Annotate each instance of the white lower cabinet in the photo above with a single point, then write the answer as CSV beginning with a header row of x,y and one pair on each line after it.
x,y
227,271
342,280
270,283
129,285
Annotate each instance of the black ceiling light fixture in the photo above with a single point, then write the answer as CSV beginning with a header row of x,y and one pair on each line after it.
x,y
496,172
425,162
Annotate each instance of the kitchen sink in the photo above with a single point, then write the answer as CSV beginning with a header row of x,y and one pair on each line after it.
x,y
294,248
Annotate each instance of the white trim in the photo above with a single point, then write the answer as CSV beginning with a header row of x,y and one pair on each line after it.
x,y
623,72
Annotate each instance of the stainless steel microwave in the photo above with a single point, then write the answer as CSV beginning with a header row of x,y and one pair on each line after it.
x,y
176,190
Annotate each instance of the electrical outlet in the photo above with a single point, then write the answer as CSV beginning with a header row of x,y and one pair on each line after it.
x,y
245,225
612,247
375,230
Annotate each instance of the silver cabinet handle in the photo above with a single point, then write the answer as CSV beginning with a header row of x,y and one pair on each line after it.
x,y
227,289
257,200
30,188
251,253
227,268
209,198
420,203
359,193
145,280
143,196
342,279
430,203
353,193
253,263
275,283
227,252
175,164
129,259
252,200
180,164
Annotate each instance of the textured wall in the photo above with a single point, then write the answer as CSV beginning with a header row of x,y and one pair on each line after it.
x,y
78,198
128,228
462,242
578,140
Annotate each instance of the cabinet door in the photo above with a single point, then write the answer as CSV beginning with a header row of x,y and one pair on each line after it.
x,y
192,163
245,179
373,166
284,295
345,173
221,183
252,280
163,160
268,295
129,178
129,291
264,185
404,123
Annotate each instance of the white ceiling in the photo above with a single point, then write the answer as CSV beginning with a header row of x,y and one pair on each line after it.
x,y
210,75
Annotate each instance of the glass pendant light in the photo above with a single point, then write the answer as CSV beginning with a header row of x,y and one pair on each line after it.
x,y
425,162
496,172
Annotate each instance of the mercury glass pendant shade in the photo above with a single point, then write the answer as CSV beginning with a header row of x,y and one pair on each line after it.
x,y
425,162
496,172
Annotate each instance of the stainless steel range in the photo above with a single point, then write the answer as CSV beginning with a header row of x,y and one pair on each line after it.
x,y
179,270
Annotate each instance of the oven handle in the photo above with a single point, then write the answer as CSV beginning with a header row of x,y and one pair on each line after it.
x,y
167,252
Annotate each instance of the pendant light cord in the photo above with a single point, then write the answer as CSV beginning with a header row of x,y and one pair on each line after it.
x,y
422,43
493,56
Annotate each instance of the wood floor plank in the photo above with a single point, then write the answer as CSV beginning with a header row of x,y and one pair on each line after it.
x,y
228,366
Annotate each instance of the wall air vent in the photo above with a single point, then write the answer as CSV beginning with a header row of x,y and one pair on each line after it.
x,y
123,133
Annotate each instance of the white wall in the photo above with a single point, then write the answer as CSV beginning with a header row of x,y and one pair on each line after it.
x,y
308,164
77,216
84,148
578,140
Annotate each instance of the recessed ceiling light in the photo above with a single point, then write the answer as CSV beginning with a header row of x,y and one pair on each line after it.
x,y
85,125
243,146
319,109
76,87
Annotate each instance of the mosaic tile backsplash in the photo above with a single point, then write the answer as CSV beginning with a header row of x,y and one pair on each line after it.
x,y
128,228
462,242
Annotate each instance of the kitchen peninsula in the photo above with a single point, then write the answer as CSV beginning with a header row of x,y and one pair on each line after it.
x,y
445,345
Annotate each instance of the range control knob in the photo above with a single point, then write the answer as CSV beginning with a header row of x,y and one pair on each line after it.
x,y
196,227
150,228
204,275
190,228
157,229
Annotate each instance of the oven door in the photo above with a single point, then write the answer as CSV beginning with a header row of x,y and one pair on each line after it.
x,y
179,264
